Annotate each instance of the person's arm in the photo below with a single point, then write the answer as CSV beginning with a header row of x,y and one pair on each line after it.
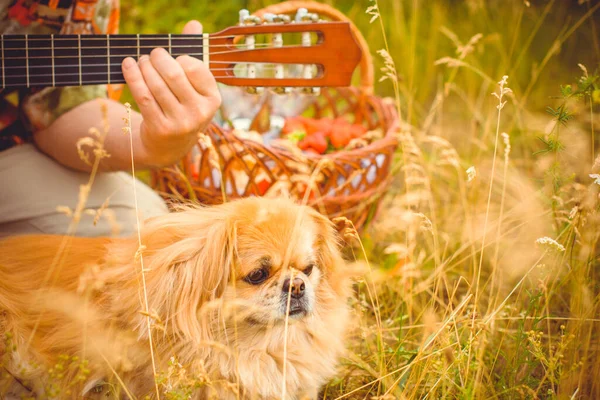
x,y
177,99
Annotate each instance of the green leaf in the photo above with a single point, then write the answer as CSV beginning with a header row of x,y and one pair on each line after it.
x,y
296,136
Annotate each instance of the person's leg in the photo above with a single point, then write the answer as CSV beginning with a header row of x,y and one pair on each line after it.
x,y
36,190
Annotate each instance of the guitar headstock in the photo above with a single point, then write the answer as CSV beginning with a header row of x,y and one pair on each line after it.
x,y
278,52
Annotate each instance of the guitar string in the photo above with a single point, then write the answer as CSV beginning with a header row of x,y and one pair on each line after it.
x,y
132,47
144,37
103,73
114,64
63,38
135,55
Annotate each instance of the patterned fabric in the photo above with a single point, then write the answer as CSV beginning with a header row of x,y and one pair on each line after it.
x,y
24,112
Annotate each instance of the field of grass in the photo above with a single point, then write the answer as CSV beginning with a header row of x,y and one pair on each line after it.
x,y
485,275
484,261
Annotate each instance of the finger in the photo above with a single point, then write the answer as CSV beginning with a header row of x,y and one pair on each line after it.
x,y
192,28
174,76
199,76
139,90
158,87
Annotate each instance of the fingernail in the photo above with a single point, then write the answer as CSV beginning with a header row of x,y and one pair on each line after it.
x,y
143,58
159,50
128,63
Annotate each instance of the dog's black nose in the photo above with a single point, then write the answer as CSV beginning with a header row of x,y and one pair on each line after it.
x,y
297,290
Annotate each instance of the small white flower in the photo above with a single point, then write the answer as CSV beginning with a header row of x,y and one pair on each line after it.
x,y
551,243
573,212
596,178
471,173
506,139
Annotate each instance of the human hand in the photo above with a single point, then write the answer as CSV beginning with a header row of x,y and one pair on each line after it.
x,y
176,97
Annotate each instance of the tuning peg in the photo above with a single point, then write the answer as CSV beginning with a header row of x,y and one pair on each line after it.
x,y
282,18
303,15
255,90
313,91
276,18
300,14
282,90
243,15
269,18
247,19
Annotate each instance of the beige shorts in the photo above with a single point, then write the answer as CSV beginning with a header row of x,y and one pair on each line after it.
x,y
36,192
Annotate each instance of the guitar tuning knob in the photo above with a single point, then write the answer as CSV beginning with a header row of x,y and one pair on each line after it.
x,y
243,15
269,18
276,18
282,18
300,14
313,91
311,18
255,90
282,90
247,19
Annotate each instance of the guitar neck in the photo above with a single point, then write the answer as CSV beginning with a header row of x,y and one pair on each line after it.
x,y
77,60
234,55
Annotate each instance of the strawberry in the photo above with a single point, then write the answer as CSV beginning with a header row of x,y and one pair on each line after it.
x,y
357,131
262,186
292,125
316,125
316,141
340,136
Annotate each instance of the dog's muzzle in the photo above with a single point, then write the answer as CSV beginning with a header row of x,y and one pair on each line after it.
x,y
296,289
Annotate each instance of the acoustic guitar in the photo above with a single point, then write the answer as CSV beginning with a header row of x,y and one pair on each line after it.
x,y
274,51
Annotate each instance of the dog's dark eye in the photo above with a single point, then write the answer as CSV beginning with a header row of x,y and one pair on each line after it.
x,y
308,269
257,276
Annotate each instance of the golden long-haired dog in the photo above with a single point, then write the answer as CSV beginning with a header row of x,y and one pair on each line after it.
x,y
246,300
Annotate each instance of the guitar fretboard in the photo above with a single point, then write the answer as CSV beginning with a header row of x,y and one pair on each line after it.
x,y
75,60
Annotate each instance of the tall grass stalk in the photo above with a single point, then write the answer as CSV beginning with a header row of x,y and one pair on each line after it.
x,y
141,247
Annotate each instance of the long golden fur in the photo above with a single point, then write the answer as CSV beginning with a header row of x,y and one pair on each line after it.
x,y
205,308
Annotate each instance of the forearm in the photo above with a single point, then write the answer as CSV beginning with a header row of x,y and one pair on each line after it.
x,y
59,140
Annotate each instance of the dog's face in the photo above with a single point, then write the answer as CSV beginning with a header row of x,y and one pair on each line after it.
x,y
278,262
268,260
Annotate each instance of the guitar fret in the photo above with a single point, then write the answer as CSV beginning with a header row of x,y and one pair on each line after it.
x,y
53,73
170,51
205,49
27,59
3,78
79,44
108,57
138,47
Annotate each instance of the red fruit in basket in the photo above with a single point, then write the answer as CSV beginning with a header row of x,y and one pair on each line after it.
x,y
316,141
292,125
340,136
341,121
262,186
357,131
316,125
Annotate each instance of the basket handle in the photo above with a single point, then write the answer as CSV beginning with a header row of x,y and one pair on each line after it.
x,y
366,62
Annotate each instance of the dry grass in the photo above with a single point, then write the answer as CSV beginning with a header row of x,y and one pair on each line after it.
x,y
485,280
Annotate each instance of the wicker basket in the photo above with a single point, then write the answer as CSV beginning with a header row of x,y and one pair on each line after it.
x,y
346,183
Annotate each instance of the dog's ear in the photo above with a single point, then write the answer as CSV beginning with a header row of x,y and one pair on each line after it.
x,y
329,245
187,256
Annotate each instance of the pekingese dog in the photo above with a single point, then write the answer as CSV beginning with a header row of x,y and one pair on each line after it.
x,y
245,300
